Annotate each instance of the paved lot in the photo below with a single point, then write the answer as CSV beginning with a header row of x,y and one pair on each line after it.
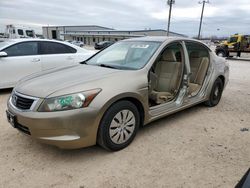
x,y
199,147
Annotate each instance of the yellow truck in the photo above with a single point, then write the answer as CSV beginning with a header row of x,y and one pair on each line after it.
x,y
235,45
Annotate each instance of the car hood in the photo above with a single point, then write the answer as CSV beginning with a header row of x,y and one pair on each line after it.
x,y
45,83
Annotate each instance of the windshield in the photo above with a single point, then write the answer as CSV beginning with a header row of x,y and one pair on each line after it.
x,y
125,55
3,44
232,39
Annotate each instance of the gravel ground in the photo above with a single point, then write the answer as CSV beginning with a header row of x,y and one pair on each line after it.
x,y
198,147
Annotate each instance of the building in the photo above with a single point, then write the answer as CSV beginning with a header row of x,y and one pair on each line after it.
x,y
91,34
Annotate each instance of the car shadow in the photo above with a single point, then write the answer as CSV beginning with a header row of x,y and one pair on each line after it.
x,y
162,122
5,91
96,151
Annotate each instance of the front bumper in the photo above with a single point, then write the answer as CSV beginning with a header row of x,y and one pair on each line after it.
x,y
65,129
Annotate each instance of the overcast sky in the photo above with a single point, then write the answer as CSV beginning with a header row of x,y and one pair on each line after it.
x,y
221,17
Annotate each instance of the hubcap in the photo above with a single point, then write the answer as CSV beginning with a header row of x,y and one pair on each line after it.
x,y
216,92
220,54
122,126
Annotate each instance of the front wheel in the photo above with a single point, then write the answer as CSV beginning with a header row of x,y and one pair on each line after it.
x,y
215,94
118,126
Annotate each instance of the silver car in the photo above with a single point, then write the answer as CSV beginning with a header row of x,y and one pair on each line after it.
x,y
107,98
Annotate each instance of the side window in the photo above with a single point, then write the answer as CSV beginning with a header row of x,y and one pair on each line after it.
x,y
30,33
20,32
55,48
22,49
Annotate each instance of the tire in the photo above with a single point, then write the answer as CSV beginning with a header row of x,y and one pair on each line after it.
x,y
118,126
221,53
215,94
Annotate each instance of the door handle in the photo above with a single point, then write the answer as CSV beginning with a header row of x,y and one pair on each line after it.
x,y
35,60
70,58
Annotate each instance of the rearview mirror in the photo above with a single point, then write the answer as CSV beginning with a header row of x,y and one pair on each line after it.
x,y
3,54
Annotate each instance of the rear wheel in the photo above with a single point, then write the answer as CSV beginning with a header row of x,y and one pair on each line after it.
x,y
118,126
221,53
215,94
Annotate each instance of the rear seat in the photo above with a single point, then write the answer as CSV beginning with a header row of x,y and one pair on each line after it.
x,y
198,67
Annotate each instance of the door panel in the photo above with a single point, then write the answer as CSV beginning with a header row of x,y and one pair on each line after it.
x,y
56,60
22,60
13,69
54,54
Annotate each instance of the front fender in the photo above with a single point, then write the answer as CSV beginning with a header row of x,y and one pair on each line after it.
x,y
141,96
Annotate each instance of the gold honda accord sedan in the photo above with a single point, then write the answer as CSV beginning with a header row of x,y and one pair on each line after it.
x,y
105,99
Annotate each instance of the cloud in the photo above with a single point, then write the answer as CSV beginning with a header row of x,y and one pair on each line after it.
x,y
224,15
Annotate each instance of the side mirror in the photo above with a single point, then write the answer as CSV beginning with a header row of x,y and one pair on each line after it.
x,y
3,54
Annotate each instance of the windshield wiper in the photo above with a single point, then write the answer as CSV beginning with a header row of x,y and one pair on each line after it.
x,y
83,62
107,66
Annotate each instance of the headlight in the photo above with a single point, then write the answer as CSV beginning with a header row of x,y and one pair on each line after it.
x,y
68,102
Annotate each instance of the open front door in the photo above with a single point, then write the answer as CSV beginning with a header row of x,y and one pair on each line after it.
x,y
171,76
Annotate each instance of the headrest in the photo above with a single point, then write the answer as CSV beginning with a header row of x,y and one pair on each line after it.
x,y
194,55
169,55
178,56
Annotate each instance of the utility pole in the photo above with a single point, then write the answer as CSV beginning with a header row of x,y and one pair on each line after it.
x,y
170,3
203,6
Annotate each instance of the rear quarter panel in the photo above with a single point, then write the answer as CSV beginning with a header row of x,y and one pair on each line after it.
x,y
220,67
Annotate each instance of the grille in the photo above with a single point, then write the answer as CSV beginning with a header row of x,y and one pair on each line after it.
x,y
22,102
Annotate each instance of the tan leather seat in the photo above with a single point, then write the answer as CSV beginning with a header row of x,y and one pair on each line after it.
x,y
199,66
195,60
168,75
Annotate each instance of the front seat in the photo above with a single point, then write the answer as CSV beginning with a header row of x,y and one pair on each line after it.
x,y
167,71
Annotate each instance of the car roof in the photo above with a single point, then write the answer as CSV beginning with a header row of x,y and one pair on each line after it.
x,y
155,38
29,39
163,39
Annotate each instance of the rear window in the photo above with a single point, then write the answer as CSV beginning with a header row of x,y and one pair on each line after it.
x,y
56,48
